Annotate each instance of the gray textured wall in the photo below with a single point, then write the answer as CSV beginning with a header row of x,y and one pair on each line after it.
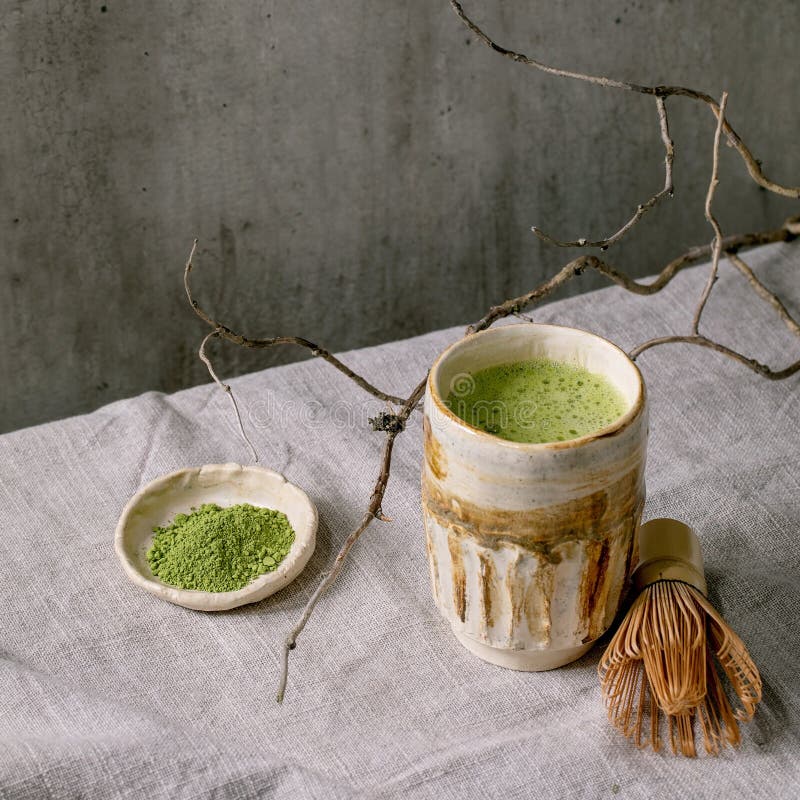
x,y
356,170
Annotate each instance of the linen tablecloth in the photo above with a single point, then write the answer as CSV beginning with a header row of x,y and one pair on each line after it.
x,y
106,690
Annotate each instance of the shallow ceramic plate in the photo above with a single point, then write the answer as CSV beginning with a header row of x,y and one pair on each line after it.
x,y
226,485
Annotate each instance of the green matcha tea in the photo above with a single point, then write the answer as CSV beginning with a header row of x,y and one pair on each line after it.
x,y
536,401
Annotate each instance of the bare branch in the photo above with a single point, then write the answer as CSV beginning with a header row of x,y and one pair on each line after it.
x,y
766,294
643,208
731,244
393,424
702,341
712,220
374,511
753,164
514,308
227,389
225,332
520,58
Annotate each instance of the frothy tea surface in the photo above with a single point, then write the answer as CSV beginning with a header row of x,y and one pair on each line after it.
x,y
536,401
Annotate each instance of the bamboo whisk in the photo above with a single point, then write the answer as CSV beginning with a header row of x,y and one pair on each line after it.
x,y
663,658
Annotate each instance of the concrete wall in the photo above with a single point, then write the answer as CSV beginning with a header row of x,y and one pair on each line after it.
x,y
356,170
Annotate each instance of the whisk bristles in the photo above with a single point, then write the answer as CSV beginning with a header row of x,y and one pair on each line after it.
x,y
662,661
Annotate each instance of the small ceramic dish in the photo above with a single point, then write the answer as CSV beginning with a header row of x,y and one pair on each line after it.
x,y
156,505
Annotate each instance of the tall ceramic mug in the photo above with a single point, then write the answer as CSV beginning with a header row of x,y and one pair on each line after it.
x,y
530,545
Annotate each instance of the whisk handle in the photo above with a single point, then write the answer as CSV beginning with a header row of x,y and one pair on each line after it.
x,y
669,550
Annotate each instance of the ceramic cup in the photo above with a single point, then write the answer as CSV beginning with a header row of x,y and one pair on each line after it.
x,y
530,545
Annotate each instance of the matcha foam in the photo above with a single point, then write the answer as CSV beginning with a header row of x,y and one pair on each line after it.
x,y
536,401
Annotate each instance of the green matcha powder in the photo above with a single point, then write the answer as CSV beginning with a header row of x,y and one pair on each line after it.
x,y
217,549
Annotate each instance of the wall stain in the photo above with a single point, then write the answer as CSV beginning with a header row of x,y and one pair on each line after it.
x,y
227,242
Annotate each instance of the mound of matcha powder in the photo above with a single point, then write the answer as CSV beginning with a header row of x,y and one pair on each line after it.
x,y
217,549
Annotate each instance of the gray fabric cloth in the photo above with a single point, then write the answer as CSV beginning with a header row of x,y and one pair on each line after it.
x,y
106,690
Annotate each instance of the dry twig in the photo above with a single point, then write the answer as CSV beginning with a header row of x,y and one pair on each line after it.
x,y
702,341
225,332
731,244
642,208
762,291
374,511
514,307
716,247
751,162
393,424
227,389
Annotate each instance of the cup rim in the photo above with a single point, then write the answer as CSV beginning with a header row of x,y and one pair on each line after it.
x,y
619,424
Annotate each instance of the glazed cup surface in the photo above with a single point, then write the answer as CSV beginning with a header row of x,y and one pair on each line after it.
x,y
530,545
